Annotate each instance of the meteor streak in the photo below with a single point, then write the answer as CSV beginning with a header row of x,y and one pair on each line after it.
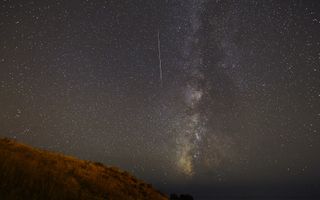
x,y
159,57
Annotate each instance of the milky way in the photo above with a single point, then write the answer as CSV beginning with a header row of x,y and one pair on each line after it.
x,y
191,124
192,127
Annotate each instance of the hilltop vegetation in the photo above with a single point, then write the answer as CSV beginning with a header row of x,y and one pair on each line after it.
x,y
30,173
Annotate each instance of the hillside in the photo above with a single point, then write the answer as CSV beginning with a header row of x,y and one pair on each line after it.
x,y
30,173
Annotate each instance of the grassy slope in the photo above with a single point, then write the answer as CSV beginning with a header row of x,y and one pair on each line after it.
x,y
30,173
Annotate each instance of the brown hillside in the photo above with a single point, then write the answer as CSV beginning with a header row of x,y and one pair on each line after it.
x,y
30,173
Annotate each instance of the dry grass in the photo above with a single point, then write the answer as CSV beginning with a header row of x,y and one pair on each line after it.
x,y
30,173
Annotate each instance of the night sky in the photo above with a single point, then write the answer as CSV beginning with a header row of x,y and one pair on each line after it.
x,y
192,96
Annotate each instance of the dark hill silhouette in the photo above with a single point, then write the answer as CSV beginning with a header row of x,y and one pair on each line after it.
x,y
30,173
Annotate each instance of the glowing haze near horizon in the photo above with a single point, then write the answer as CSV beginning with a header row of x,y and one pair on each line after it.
x,y
238,103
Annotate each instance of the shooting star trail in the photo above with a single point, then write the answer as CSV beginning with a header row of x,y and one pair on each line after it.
x,y
159,57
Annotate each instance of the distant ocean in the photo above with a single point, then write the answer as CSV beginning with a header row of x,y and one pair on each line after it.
x,y
258,198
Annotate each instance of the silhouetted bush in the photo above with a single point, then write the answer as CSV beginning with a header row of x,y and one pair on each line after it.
x,y
98,164
186,197
182,197
174,197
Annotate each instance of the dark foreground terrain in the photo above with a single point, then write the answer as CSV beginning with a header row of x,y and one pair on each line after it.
x,y
30,173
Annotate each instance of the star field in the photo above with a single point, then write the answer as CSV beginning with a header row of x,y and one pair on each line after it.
x,y
236,102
